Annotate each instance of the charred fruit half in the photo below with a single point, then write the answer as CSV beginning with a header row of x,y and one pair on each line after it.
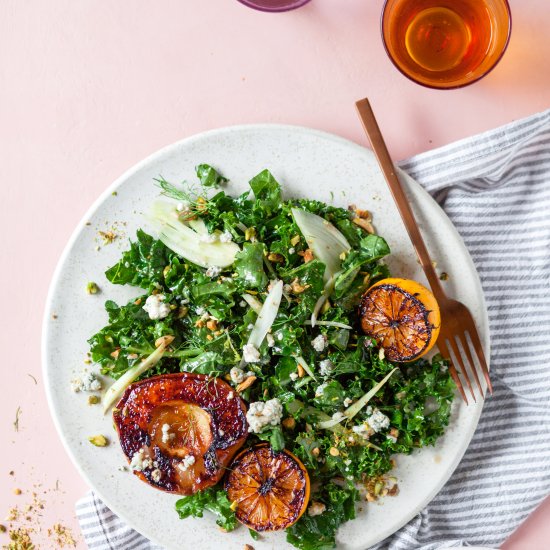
x,y
402,316
180,431
269,489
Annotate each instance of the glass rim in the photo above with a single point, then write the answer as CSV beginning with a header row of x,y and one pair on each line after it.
x,y
253,5
454,86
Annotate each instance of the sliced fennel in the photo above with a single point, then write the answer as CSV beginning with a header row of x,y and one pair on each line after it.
x,y
327,291
323,238
199,226
302,362
187,239
114,393
335,324
340,430
352,410
253,302
328,245
266,316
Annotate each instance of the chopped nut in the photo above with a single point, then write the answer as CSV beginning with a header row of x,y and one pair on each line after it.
x,y
209,337
249,233
364,224
301,371
234,506
17,491
165,271
248,547
200,323
92,288
182,312
3,529
201,204
444,276
392,491
297,287
289,423
370,498
246,384
93,400
363,214
61,535
166,340
20,539
316,508
115,354
315,452
276,258
98,440
212,324
307,255
137,302
394,432
295,240
381,353
333,451
108,236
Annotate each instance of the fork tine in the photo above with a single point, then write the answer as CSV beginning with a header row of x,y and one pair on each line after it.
x,y
481,357
466,347
462,366
454,375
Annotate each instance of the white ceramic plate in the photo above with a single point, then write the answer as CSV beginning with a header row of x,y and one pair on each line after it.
x,y
307,163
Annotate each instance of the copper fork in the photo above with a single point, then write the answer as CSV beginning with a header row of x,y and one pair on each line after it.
x,y
458,329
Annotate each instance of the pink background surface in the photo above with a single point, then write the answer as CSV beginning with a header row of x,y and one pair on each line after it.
x,y
89,88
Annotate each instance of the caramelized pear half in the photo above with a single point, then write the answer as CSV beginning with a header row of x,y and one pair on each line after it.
x,y
180,431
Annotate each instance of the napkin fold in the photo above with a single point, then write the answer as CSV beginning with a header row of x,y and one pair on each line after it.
x,y
495,187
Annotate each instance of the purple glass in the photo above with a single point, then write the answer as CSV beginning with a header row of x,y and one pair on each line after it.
x,y
274,5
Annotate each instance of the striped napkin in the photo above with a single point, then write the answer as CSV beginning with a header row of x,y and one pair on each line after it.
x,y
495,187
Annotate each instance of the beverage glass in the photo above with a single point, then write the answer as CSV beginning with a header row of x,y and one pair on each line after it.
x,y
445,43
274,5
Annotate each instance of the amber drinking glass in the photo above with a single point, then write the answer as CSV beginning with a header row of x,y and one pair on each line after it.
x,y
446,43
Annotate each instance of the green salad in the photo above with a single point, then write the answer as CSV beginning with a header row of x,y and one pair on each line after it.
x,y
262,291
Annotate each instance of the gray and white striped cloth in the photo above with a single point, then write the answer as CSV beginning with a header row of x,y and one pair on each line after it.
x,y
495,187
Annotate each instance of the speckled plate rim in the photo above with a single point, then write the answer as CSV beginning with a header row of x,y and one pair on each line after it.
x,y
410,183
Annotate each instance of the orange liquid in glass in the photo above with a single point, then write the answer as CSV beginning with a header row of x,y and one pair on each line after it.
x,y
445,42
438,38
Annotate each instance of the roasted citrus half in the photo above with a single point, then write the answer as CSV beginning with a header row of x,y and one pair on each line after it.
x,y
180,431
402,316
270,489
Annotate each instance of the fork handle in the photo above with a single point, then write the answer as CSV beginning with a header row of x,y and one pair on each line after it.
x,y
384,160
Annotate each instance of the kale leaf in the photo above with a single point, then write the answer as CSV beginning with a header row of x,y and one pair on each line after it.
x,y
212,499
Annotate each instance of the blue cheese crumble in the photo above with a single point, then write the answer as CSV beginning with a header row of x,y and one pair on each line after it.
x,y
155,307
319,343
251,353
326,366
261,414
